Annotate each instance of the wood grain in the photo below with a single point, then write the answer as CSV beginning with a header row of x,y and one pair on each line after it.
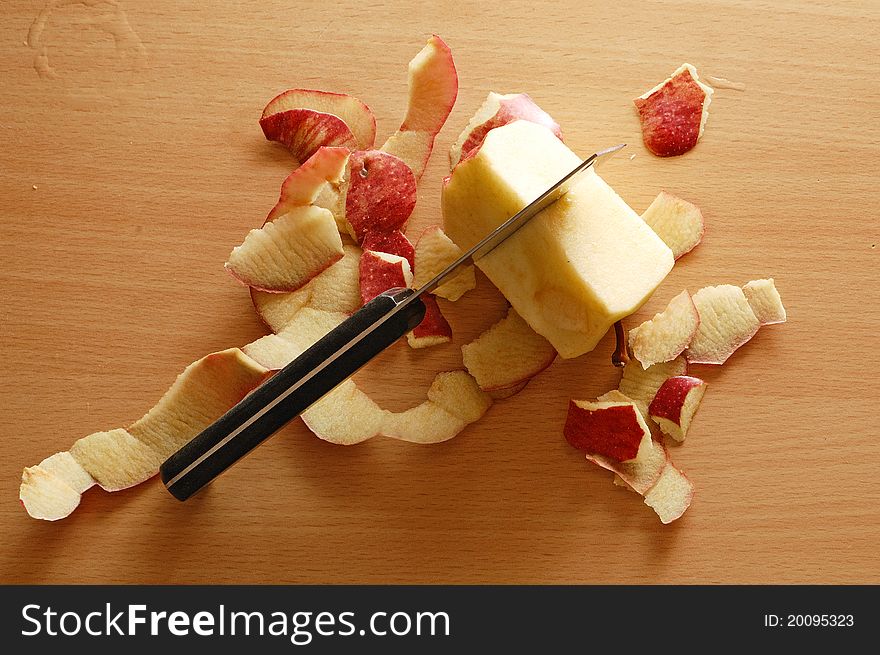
x,y
126,178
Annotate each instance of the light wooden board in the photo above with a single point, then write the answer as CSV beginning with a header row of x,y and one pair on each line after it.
x,y
127,177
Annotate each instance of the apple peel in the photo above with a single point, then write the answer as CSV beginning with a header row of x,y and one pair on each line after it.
x,y
727,322
337,289
46,496
200,395
354,113
381,193
304,131
507,354
641,384
345,416
673,114
319,181
665,336
116,459
496,111
675,404
459,394
307,327
434,330
433,89
286,253
393,242
671,495
434,252
615,430
380,271
677,222
63,466
765,301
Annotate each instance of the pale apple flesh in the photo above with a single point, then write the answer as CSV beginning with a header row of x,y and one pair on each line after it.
x,y
498,110
426,423
201,394
120,458
671,495
454,402
580,265
433,253
345,416
337,289
275,351
380,272
63,466
459,394
675,404
608,429
678,222
765,301
433,88
507,354
354,113
726,323
667,334
116,459
286,253
46,496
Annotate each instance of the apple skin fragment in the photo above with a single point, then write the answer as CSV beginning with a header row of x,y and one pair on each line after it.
x,y
677,222
356,115
319,181
665,336
765,301
641,384
507,354
496,111
393,242
63,466
671,496
727,322
434,330
381,193
380,271
608,429
46,496
286,253
433,89
116,459
673,114
121,458
675,404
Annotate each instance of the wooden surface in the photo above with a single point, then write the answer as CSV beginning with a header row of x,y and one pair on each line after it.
x,y
131,163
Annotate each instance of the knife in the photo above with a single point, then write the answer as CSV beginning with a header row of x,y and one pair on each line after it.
x,y
329,362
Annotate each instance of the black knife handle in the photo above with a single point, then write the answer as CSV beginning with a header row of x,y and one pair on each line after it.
x,y
271,405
